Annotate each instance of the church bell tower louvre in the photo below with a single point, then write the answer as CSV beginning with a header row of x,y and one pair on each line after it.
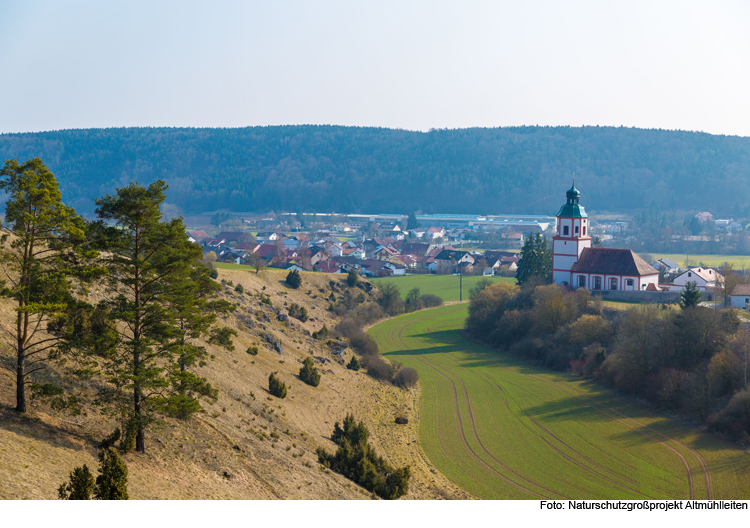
x,y
571,237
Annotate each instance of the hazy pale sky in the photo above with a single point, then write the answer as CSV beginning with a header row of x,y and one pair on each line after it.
x,y
406,64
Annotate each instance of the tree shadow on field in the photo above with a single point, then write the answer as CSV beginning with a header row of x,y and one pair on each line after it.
x,y
475,354
30,426
565,409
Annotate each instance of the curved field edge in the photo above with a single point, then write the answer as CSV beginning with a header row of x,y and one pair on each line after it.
x,y
501,427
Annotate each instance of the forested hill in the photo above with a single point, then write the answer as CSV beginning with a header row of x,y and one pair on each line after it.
x,y
351,169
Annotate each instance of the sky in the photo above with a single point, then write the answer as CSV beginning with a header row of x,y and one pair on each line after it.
x,y
403,64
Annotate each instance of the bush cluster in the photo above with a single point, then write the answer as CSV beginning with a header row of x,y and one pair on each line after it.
x,y
357,460
690,360
298,312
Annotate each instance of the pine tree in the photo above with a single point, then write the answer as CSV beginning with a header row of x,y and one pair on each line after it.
x,y
352,278
141,342
353,363
40,254
276,387
309,374
294,279
112,482
193,298
80,486
535,259
690,296
411,222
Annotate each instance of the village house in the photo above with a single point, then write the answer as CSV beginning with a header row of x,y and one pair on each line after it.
x,y
740,297
704,278
381,268
449,261
198,236
668,265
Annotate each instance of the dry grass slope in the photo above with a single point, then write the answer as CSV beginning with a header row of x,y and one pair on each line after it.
x,y
247,445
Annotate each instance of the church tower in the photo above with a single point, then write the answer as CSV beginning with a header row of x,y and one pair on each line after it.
x,y
571,238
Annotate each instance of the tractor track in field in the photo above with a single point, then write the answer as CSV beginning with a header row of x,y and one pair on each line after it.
x,y
706,474
582,398
552,446
439,436
430,364
601,408
572,450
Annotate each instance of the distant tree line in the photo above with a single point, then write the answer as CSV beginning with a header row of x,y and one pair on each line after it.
x,y
333,168
693,360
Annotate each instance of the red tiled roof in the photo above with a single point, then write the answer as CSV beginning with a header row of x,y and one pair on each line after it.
x,y
612,262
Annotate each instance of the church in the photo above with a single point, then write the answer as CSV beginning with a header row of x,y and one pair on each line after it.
x,y
578,265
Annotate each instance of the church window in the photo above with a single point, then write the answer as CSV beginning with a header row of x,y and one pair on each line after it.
x,y
584,230
581,281
565,231
612,283
576,230
597,283
629,282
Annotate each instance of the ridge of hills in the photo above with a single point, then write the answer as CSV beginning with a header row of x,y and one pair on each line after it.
x,y
310,168
246,445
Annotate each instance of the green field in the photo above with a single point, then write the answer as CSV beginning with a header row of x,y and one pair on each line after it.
x,y
233,266
739,261
444,286
502,428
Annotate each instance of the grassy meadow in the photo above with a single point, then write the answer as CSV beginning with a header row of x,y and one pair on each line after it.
x,y
503,428
713,261
444,286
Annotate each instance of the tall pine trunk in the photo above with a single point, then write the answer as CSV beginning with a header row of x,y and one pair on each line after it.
x,y
20,381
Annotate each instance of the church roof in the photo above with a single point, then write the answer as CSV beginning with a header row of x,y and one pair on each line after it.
x,y
609,261
573,211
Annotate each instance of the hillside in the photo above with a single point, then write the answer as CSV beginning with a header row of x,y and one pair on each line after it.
x,y
247,445
352,169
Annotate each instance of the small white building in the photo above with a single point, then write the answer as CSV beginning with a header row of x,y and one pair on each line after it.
x,y
740,297
702,277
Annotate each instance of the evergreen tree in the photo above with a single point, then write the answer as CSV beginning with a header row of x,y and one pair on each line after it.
x,y
40,255
535,259
352,278
112,482
690,296
411,222
193,298
276,387
80,486
294,279
140,341
353,363
309,374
